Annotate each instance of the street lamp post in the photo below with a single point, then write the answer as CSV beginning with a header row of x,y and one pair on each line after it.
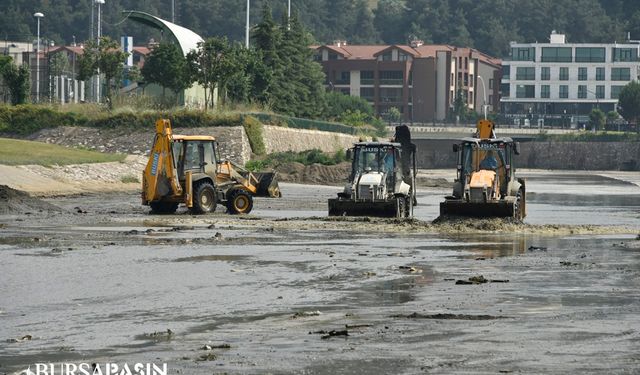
x,y
99,2
484,96
38,15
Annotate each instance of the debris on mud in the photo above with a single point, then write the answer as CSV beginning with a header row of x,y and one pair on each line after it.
x,y
568,264
159,336
410,269
332,333
211,347
355,326
14,201
305,314
207,357
447,316
21,339
475,280
537,248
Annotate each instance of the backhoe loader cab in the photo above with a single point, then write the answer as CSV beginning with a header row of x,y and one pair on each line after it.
x,y
486,185
380,183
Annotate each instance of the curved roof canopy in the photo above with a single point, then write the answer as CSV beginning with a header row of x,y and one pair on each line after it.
x,y
186,39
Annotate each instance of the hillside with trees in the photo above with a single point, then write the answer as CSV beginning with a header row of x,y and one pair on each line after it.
x,y
488,25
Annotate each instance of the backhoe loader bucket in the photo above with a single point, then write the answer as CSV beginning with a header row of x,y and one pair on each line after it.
x,y
267,185
341,207
458,207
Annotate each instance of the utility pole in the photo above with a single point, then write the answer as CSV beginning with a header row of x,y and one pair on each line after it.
x,y
246,42
38,15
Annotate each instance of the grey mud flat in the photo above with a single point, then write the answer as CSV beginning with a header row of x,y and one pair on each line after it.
x,y
286,290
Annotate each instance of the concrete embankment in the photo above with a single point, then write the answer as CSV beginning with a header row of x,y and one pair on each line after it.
x,y
438,154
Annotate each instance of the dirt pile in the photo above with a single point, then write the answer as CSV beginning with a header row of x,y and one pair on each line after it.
x,y
14,201
336,175
314,173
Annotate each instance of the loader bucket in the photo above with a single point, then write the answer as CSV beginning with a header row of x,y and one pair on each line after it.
x,y
267,185
341,207
472,209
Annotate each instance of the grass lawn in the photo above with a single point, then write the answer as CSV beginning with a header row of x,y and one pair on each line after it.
x,y
18,152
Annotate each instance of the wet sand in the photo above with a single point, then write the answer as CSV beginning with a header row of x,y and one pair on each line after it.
x,y
103,281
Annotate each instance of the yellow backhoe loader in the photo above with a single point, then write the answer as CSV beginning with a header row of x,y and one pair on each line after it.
x,y
187,169
486,185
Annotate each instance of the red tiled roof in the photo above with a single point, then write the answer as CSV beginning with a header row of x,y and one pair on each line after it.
x,y
141,50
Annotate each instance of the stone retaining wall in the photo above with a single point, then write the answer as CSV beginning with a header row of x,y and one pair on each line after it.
x,y
280,139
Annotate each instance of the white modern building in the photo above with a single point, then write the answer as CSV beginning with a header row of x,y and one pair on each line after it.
x,y
558,83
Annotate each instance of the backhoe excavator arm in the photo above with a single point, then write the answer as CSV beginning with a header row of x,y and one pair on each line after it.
x,y
160,177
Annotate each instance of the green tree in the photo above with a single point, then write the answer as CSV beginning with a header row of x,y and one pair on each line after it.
x,y
629,102
58,64
339,103
597,119
213,65
105,57
390,20
167,67
17,81
394,115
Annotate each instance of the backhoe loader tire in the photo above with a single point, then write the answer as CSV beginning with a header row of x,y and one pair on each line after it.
x,y
160,208
239,201
204,199
401,207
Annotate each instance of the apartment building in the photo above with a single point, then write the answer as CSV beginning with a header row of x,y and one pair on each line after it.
x,y
560,83
420,80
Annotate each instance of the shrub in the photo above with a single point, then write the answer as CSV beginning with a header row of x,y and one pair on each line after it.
x,y
255,133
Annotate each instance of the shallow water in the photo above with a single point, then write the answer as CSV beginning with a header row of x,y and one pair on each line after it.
x,y
91,290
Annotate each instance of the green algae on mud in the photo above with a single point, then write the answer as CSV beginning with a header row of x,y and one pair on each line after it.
x,y
449,225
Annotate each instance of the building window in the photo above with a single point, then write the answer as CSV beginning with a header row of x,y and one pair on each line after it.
x,y
615,91
506,71
625,54
582,74
403,57
344,78
525,74
391,77
525,91
505,90
387,56
620,74
545,91
366,77
556,54
564,74
564,92
595,54
523,54
599,74
471,80
333,56
582,92
600,91
390,95
490,83
367,93
545,73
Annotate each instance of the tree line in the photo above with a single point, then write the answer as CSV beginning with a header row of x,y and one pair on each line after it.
x,y
488,25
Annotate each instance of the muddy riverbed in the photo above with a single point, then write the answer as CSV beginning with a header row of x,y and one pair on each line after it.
x,y
285,290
